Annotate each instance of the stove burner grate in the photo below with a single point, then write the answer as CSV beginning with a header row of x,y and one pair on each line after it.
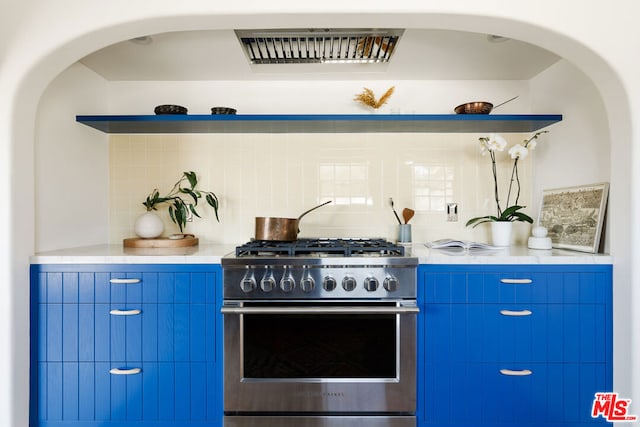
x,y
324,246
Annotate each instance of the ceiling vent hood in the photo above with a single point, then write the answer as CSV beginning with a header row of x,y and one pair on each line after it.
x,y
311,46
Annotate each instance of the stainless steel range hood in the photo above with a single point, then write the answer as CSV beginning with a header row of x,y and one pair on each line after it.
x,y
309,46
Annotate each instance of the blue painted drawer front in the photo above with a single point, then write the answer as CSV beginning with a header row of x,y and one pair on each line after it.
x,y
477,394
464,341
162,391
549,284
173,336
496,332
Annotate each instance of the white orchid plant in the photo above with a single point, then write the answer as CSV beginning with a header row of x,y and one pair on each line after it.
x,y
490,145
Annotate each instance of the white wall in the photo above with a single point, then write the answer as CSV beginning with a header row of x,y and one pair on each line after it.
x,y
576,151
278,175
283,175
71,164
580,152
314,97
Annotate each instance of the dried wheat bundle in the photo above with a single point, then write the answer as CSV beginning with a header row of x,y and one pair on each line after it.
x,y
368,98
385,97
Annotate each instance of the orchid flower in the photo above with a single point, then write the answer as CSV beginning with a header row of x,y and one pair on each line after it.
x,y
490,144
518,152
494,142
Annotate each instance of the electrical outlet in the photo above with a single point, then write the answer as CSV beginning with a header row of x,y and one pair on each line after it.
x,y
452,212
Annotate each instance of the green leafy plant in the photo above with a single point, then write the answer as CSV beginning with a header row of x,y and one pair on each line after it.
x,y
182,199
490,145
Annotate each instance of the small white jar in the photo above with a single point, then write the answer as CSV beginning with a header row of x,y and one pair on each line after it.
x,y
148,225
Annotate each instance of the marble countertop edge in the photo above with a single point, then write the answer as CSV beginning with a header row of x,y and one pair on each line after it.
x,y
212,253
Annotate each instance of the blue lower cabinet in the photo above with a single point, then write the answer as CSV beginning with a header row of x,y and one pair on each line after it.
x,y
512,394
144,348
505,345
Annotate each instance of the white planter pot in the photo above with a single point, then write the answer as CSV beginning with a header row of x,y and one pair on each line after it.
x,y
501,232
148,225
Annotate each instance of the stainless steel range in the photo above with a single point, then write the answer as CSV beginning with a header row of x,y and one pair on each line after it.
x,y
320,332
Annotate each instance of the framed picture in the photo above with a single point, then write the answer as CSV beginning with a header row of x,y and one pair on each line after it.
x,y
574,216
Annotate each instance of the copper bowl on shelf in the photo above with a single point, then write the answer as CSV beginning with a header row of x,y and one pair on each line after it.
x,y
479,107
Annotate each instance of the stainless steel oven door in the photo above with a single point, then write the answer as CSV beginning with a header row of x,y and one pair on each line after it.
x,y
320,357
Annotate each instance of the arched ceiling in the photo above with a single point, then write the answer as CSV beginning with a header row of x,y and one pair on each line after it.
x,y
421,54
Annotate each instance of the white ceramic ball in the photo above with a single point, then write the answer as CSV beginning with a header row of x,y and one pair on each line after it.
x,y
539,231
148,225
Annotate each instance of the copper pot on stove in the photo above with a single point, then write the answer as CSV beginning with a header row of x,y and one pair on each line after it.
x,y
280,229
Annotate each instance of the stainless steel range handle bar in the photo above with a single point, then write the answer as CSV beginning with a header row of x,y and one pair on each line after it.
x,y
320,310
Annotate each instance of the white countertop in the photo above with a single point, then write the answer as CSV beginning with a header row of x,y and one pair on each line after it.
x,y
204,253
509,255
210,253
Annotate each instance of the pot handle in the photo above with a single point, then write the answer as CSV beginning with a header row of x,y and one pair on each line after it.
x,y
312,209
502,103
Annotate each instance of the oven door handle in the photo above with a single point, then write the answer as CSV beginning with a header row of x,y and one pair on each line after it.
x,y
320,310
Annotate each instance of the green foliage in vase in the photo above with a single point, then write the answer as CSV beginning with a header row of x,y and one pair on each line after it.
x,y
182,199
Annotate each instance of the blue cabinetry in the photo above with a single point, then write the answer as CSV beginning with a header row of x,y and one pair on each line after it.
x,y
114,345
513,345
506,345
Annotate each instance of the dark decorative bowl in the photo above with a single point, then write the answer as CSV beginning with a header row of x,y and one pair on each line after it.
x,y
223,110
170,109
474,108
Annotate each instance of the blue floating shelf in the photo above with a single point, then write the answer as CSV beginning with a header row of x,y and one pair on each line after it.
x,y
320,123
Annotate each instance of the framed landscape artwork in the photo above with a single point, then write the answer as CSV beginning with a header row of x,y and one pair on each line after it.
x,y
574,216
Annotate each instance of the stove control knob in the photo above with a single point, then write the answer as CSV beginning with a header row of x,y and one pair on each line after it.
x,y
390,283
329,283
307,283
371,284
248,282
268,282
349,283
287,283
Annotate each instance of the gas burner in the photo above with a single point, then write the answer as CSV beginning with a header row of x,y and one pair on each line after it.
x,y
321,247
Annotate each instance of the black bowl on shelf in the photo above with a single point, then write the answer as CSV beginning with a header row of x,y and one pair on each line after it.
x,y
170,109
223,110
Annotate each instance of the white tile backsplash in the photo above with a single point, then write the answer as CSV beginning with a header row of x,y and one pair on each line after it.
x,y
285,174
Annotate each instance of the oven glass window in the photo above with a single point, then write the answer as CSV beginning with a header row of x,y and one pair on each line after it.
x,y
320,346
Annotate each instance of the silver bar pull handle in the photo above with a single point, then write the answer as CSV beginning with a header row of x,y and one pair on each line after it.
x,y
118,312
516,281
319,310
118,371
518,373
516,312
124,281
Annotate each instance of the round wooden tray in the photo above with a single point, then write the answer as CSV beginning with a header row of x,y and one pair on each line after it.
x,y
161,242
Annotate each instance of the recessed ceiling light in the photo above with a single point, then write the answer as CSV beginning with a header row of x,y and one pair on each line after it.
x,y
142,40
493,38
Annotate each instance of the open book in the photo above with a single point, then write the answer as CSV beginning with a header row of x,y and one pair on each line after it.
x,y
462,245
